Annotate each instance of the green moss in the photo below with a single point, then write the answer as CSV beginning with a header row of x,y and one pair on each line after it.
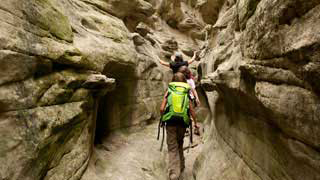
x,y
48,17
76,59
64,97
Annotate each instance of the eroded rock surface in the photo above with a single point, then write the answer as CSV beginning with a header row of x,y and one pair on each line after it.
x,y
58,58
260,63
61,59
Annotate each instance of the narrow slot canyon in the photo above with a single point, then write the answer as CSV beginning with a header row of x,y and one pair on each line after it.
x,y
128,139
134,151
82,81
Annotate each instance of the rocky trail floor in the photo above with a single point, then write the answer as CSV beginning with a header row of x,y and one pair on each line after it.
x,y
133,154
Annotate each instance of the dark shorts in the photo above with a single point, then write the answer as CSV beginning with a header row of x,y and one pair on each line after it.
x,y
176,121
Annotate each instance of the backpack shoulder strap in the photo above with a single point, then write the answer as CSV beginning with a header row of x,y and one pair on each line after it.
x,y
174,85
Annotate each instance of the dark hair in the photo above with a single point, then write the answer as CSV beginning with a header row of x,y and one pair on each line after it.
x,y
178,57
179,77
186,71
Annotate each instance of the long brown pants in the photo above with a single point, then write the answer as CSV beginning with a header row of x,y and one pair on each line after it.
x,y
175,135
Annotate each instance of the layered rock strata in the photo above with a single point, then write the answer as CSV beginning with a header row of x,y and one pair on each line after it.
x,y
55,57
262,60
259,64
58,58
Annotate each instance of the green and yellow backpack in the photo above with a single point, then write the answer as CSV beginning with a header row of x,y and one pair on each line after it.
x,y
177,105
177,102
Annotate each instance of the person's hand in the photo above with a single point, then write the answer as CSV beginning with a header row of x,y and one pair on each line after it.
x,y
161,111
194,54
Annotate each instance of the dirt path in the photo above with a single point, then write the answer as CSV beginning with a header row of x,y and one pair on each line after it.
x,y
191,156
133,154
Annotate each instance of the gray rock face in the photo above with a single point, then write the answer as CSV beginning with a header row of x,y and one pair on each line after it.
x,y
57,59
75,71
46,123
260,62
60,60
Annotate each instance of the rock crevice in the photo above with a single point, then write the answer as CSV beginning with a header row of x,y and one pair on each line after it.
x,y
76,77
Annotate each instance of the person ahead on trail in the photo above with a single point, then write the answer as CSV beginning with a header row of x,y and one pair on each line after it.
x,y
175,109
178,62
193,93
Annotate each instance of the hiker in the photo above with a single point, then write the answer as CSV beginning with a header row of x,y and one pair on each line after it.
x,y
193,93
175,109
178,61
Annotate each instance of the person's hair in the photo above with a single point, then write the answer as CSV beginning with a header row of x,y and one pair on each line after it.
x,y
186,71
179,77
178,57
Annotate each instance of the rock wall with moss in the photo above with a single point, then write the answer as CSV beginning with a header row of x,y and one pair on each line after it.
x,y
72,71
60,61
54,57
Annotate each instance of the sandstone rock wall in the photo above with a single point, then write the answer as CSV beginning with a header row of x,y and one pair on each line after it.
x,y
260,59
54,58
49,53
263,61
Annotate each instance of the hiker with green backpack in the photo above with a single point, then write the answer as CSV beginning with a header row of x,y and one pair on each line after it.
x,y
175,109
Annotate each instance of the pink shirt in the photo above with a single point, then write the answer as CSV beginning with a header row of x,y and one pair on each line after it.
x,y
193,86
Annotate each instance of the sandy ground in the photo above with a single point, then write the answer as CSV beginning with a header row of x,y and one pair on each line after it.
x,y
191,155
133,154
